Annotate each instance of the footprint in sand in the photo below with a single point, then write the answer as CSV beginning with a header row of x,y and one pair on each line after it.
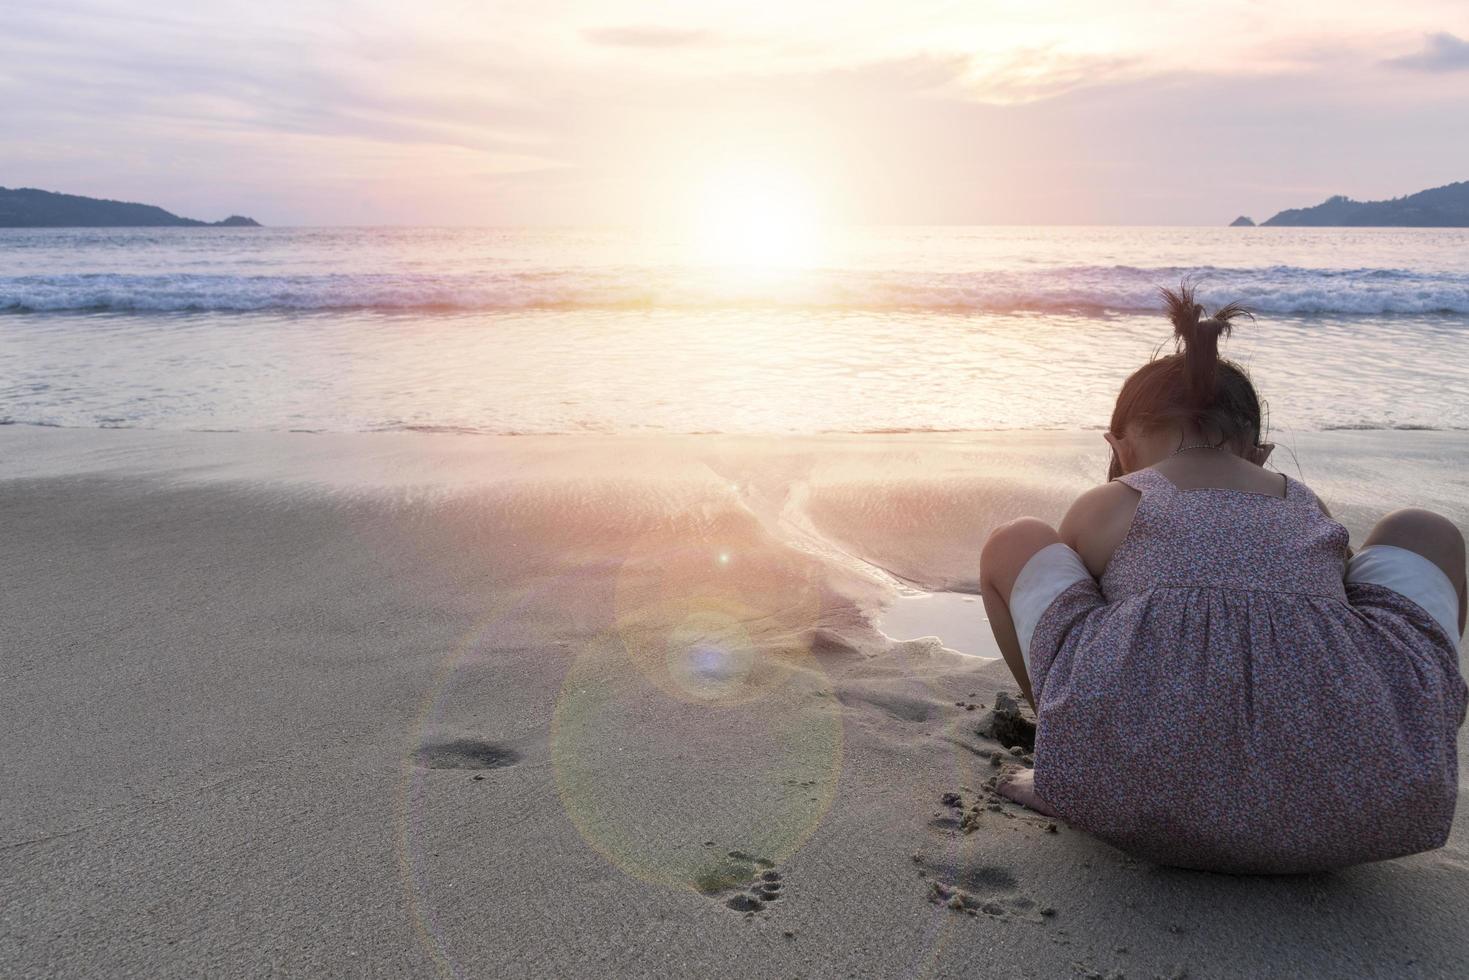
x,y
967,886
465,753
756,880
978,889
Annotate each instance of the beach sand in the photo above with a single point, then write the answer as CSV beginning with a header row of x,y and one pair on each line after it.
x,y
417,705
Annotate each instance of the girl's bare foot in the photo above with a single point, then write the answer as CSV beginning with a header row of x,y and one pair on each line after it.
x,y
1020,787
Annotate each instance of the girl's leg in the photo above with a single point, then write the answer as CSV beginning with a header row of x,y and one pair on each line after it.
x,y
1431,535
1009,547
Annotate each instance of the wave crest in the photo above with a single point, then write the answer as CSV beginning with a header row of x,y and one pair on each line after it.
x,y
1082,290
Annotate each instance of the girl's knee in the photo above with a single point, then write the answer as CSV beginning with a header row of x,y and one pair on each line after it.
x,y
1021,534
1010,546
1419,526
1431,535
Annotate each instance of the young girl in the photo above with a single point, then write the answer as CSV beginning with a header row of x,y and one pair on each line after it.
x,y
1216,685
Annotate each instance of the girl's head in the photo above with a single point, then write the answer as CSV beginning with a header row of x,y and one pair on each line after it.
x,y
1192,391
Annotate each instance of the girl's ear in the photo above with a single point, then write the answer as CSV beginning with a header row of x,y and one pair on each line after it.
x,y
1119,465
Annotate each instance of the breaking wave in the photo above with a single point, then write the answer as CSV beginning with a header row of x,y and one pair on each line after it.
x,y
1081,290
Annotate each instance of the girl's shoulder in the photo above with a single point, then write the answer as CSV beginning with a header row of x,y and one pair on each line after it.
x,y
1308,495
1098,521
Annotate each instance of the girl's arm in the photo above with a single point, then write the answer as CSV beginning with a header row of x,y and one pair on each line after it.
x,y
1098,521
1322,504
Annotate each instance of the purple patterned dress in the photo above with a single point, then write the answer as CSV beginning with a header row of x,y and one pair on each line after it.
x,y
1224,701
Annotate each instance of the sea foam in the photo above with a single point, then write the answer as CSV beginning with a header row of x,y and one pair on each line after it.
x,y
1084,290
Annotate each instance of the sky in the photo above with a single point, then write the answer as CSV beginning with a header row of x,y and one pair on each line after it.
x,y
458,112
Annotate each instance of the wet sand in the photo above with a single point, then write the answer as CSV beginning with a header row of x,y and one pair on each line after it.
x,y
415,705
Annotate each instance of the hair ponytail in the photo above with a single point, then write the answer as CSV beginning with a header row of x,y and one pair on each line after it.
x,y
1196,337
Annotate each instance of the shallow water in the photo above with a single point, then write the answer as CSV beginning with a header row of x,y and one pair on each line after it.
x,y
487,330
957,619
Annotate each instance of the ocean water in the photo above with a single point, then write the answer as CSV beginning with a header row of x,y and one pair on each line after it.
x,y
563,331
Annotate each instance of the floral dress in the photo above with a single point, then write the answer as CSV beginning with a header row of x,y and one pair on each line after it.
x,y
1222,699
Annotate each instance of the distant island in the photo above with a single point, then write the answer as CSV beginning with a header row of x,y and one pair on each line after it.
x,y
26,207
1242,221
1441,207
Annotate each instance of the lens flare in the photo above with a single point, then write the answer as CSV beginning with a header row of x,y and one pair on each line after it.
x,y
632,764
704,705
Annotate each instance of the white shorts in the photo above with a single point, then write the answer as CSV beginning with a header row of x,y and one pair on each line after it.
x,y
1050,571
1056,568
1412,576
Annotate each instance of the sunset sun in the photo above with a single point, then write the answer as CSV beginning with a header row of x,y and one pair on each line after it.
x,y
756,218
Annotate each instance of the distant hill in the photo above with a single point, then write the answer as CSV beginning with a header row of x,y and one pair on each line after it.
x,y
1441,207
1242,222
26,207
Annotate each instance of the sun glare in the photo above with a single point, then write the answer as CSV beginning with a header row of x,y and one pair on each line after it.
x,y
757,219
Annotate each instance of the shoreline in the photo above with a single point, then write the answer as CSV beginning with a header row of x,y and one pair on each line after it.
x,y
413,704
1361,473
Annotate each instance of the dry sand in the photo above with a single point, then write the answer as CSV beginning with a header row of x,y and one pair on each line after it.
x,y
413,705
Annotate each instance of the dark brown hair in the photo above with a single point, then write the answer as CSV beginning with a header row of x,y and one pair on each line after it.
x,y
1193,385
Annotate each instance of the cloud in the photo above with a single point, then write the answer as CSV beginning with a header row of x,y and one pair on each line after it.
x,y
1441,52
903,112
172,79
1044,73
649,37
